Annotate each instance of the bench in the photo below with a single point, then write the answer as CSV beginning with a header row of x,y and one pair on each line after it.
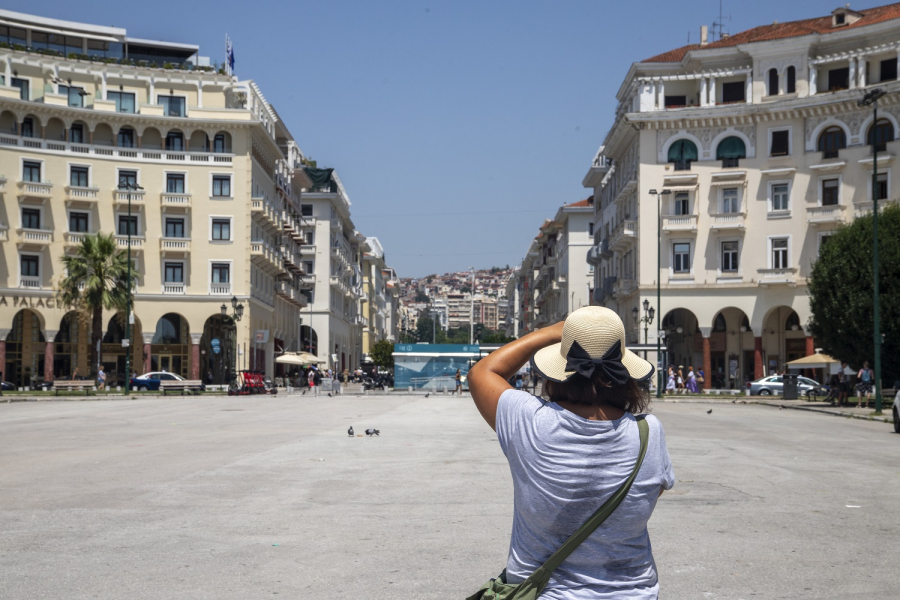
x,y
194,386
73,385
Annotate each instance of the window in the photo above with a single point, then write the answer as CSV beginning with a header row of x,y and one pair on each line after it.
x,y
78,222
175,183
889,69
174,272
128,225
730,151
733,92
781,143
78,176
124,101
309,238
682,257
838,79
682,153
31,171
840,18
790,85
719,323
823,240
830,191
219,143
880,134
221,229
125,139
881,187
175,228
731,201
729,257
590,229
675,101
175,141
221,272
173,106
221,186
306,210
31,218
30,265
780,253
682,203
24,88
75,94
780,197
28,127
127,180
831,141
76,133
772,84
308,266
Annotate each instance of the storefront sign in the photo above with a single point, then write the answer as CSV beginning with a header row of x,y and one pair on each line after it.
x,y
262,336
29,302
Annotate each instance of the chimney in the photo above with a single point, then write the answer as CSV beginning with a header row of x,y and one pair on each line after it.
x,y
704,35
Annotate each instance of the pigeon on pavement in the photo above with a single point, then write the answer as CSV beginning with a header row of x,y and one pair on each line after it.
x,y
350,431
371,432
428,394
329,394
709,412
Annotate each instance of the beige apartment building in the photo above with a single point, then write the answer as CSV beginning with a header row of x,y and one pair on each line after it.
x,y
100,132
746,152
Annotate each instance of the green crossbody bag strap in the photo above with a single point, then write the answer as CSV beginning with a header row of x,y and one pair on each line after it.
x,y
538,580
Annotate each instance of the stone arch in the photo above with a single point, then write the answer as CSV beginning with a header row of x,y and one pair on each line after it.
x,y
172,328
781,341
170,347
121,140
217,366
813,141
151,139
70,345
85,130
221,141
866,128
8,121
103,135
175,140
36,119
683,344
55,130
731,341
309,339
749,145
681,135
198,142
25,349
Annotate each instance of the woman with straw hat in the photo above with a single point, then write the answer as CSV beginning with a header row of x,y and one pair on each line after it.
x,y
573,450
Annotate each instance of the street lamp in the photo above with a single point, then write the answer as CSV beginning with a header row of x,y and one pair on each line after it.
x,y
647,319
659,364
131,187
871,99
237,313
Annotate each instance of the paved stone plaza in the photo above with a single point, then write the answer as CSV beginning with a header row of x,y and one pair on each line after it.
x,y
262,497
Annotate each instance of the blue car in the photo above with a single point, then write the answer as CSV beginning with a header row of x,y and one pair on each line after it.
x,y
150,381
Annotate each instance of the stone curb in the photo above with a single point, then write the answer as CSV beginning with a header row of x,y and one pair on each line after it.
x,y
825,411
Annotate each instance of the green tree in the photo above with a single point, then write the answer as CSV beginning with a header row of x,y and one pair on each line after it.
x,y
382,354
95,280
421,297
424,327
841,293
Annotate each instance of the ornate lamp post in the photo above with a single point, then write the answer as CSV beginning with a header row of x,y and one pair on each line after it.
x,y
237,313
131,189
647,319
659,335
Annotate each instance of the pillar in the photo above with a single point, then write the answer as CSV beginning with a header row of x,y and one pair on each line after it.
x,y
148,339
810,346
862,73
48,360
712,91
748,94
704,92
707,358
757,353
813,78
195,355
852,78
661,89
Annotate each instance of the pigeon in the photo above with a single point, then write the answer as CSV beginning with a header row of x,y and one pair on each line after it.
x,y
371,432
350,431
304,392
329,394
709,412
428,394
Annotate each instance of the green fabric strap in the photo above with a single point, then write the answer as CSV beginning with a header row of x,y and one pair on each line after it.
x,y
538,580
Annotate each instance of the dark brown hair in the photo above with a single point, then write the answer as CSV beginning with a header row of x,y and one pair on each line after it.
x,y
631,397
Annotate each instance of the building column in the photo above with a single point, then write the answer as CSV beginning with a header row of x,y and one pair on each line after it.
x,y
852,82
813,79
862,73
199,94
661,95
48,359
148,339
704,91
748,94
757,353
707,357
712,92
810,346
195,355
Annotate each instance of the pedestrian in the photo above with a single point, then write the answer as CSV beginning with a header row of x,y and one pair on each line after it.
x,y
671,386
866,378
843,385
101,379
519,382
571,452
311,381
691,380
701,378
458,379
679,381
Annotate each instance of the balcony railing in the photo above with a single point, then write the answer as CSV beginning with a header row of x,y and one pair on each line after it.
x,y
825,214
623,235
124,197
28,282
143,154
35,189
75,238
769,277
337,225
174,244
35,237
220,289
727,221
173,288
81,194
175,200
137,242
679,223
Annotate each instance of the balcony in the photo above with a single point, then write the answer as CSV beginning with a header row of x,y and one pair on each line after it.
x,y
308,280
137,242
307,249
74,239
823,215
175,200
29,283
2,184
336,225
124,197
4,233
172,288
87,195
35,190
35,238
623,235
598,170
680,223
220,289
140,154
865,207
169,245
727,221
623,288
266,257
769,277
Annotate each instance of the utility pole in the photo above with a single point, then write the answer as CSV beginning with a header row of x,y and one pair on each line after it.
x,y
472,309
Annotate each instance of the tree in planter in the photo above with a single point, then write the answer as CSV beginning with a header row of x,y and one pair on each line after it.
x,y
382,354
841,293
95,281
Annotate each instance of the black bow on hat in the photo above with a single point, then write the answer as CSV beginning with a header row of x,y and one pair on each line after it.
x,y
610,364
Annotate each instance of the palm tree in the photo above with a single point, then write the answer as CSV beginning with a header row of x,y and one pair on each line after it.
x,y
96,279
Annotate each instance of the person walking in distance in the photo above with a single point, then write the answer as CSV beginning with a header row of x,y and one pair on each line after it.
x,y
670,382
101,379
866,378
691,380
843,385
458,378
311,380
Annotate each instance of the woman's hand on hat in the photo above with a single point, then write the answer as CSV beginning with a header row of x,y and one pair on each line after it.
x,y
555,332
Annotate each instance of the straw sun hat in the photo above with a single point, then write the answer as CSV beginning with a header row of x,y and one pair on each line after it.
x,y
593,340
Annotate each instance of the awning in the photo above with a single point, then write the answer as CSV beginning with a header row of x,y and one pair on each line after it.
x,y
303,358
814,361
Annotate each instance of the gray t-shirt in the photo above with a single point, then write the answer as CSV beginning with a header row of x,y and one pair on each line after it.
x,y
564,467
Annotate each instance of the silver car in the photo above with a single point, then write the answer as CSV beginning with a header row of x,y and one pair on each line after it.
x,y
774,385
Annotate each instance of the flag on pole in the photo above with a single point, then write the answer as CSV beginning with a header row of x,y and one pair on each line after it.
x,y
229,56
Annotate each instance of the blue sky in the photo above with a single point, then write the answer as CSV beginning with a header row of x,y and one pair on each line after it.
x,y
457,127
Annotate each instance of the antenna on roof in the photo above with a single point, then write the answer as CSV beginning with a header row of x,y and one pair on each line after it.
x,y
720,24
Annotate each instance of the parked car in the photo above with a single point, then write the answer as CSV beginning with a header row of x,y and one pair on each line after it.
x,y
7,386
774,385
896,412
150,381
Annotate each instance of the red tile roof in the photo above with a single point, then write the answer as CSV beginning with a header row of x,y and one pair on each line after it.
x,y
764,33
589,201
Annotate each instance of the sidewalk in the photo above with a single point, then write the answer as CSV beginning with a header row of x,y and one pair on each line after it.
x,y
774,401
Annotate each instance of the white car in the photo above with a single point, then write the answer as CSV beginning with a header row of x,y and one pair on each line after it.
x,y
896,412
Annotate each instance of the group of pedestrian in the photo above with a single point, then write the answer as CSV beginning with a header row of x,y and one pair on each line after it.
x,y
679,383
865,385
